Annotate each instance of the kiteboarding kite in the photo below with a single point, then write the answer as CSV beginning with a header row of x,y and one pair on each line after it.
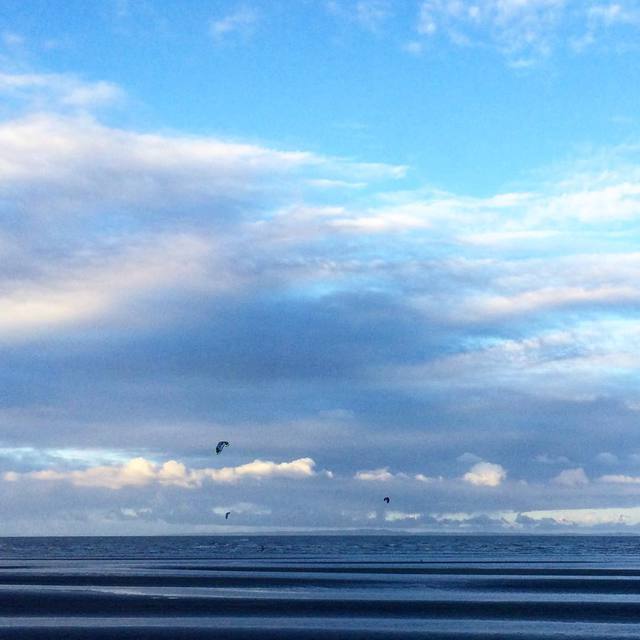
x,y
226,515
386,499
221,445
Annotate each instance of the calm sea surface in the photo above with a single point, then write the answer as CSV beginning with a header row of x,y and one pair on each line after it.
x,y
321,587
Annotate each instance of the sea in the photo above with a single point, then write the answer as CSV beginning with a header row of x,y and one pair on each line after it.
x,y
321,587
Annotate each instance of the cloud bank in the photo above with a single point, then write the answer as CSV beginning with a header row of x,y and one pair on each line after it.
x,y
140,472
159,287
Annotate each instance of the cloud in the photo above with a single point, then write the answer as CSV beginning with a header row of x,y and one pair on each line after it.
x,y
549,297
603,18
609,13
413,47
89,177
241,22
605,519
136,472
469,457
571,364
572,478
420,477
129,512
82,165
375,475
153,283
140,472
535,219
371,14
89,168
606,457
32,457
485,474
399,516
78,293
525,31
586,517
543,519
384,475
59,91
367,14
619,479
427,24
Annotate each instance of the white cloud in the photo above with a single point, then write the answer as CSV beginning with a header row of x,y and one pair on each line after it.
x,y
530,218
541,518
469,457
384,475
368,14
241,22
140,472
507,219
420,477
69,169
413,47
617,200
485,474
619,479
300,468
488,238
79,165
527,31
612,13
586,517
65,165
399,516
427,24
575,364
55,91
572,478
62,296
371,14
603,18
549,297
33,456
523,30
606,457
129,512
375,475
381,223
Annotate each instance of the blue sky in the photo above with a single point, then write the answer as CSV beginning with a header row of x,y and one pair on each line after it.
x,y
383,248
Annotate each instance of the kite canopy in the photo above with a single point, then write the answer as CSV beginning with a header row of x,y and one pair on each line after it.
x,y
226,515
386,499
221,445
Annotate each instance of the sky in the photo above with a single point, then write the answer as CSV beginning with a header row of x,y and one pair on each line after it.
x,y
382,248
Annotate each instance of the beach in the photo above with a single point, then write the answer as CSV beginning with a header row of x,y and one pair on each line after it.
x,y
308,587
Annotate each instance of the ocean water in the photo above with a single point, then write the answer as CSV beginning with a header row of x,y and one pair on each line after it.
x,y
352,587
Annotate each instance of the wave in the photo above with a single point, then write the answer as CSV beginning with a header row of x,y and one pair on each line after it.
x,y
205,632
156,590
78,603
